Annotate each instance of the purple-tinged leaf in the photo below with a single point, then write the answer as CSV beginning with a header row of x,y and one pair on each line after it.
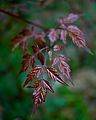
x,y
47,85
64,69
53,35
77,36
35,73
54,75
71,18
59,58
63,36
58,47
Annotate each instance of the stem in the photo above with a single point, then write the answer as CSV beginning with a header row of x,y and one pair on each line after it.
x,y
40,51
20,18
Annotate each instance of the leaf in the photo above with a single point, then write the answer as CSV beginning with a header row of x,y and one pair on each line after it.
x,y
32,62
35,73
39,96
53,35
26,56
21,39
27,61
24,46
40,55
26,31
55,61
47,85
54,75
35,48
63,36
71,18
35,85
63,57
64,69
58,47
77,36
16,41
59,58
25,65
40,41
41,58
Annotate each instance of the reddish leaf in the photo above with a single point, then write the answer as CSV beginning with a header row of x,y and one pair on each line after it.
x,y
58,47
25,65
32,62
26,56
62,65
47,85
54,75
39,55
35,73
21,39
27,61
16,41
71,18
59,58
68,20
65,69
35,85
40,41
63,57
77,36
41,58
53,35
24,46
35,48
26,31
39,96
63,36
55,61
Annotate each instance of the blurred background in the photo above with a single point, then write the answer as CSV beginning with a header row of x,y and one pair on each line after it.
x,y
68,103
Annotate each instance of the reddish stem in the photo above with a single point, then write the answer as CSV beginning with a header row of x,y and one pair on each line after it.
x,y
20,18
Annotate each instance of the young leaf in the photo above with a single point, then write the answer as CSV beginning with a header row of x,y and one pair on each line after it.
x,y
24,46
58,47
77,36
35,73
39,55
59,58
39,96
63,57
63,36
62,65
35,85
27,61
54,75
16,41
53,35
40,41
64,69
47,85
41,58
71,18
21,39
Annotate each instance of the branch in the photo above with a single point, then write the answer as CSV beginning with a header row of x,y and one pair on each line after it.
x,y
20,18
40,51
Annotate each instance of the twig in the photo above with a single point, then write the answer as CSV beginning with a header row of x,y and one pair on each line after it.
x,y
40,51
20,18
